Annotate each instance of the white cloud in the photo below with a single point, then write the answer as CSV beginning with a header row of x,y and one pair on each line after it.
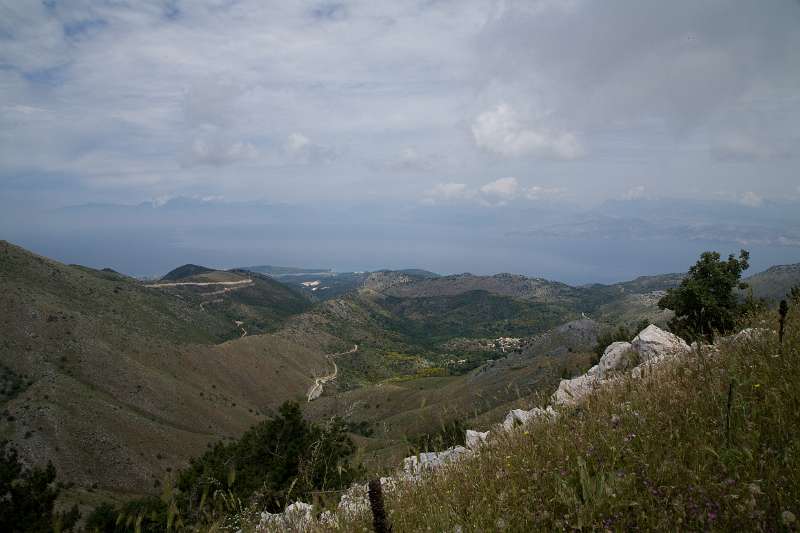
x,y
301,149
537,192
448,192
505,188
217,152
500,131
634,193
751,199
743,147
296,142
411,160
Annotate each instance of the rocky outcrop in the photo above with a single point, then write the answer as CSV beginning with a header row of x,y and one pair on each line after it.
x,y
571,391
618,356
416,464
520,417
476,439
653,342
296,516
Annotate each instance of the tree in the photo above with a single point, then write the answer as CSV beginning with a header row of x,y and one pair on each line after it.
x,y
705,302
27,495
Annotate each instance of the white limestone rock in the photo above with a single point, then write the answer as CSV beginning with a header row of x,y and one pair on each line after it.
x,y
296,516
476,439
520,417
653,342
355,499
616,357
416,464
747,335
571,391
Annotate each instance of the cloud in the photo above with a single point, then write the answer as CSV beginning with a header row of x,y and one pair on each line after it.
x,y
448,192
499,192
296,142
634,193
751,199
216,152
411,160
743,147
500,131
221,96
537,192
301,149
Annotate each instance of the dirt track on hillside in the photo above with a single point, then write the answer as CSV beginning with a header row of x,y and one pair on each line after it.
x,y
316,389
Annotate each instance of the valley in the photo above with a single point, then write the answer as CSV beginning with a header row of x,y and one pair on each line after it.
x,y
120,382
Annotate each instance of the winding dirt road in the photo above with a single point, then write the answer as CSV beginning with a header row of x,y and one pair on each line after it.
x,y
316,389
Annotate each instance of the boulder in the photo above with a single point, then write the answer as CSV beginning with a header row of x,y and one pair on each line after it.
x,y
416,464
571,391
520,417
747,335
355,499
616,357
653,342
476,439
296,516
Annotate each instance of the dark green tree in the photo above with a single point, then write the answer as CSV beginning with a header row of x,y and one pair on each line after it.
x,y
705,302
27,495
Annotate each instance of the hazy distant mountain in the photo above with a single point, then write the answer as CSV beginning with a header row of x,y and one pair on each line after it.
x,y
775,282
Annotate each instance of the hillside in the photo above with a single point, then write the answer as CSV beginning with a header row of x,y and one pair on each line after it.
x,y
147,365
256,303
690,439
774,283
167,367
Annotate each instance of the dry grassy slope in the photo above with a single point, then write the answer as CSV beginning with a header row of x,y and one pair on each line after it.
x,y
123,382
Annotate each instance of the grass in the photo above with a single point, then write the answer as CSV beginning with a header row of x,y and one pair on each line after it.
x,y
710,442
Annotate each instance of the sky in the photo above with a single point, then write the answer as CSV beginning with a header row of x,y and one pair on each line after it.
x,y
458,127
